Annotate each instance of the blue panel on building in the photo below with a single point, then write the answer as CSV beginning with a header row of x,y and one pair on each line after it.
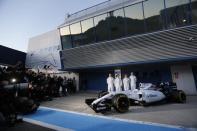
x,y
96,80
150,74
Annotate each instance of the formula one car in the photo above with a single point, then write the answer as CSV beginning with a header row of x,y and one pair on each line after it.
x,y
145,95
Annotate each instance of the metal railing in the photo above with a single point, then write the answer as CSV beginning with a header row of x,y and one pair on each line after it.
x,y
89,8
96,8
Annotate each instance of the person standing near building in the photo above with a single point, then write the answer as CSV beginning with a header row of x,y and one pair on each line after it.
x,y
118,83
74,85
133,81
64,86
126,83
110,83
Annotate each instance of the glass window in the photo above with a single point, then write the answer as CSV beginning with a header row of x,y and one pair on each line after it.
x,y
65,37
134,19
177,12
117,24
154,14
64,31
88,31
76,34
101,25
194,11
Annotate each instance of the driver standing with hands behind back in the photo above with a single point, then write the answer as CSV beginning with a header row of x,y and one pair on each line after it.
x,y
110,83
133,81
118,83
126,83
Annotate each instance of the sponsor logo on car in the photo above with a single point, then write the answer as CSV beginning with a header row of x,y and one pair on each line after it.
x,y
101,108
152,95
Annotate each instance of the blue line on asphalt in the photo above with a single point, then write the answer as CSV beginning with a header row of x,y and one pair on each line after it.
x,y
79,122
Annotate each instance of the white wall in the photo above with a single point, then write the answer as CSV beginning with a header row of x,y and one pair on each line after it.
x,y
44,50
183,76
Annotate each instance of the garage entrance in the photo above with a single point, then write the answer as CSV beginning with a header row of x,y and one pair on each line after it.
x,y
95,79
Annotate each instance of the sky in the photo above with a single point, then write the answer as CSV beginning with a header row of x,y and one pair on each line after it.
x,y
23,19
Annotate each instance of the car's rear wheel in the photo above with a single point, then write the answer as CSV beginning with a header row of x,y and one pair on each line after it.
x,y
179,96
120,103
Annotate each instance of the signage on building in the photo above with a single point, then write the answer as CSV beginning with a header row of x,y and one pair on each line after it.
x,y
117,72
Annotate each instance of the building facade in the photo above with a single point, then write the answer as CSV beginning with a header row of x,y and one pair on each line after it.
x,y
155,39
43,51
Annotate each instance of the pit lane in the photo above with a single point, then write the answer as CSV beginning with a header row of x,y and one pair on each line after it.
x,y
170,113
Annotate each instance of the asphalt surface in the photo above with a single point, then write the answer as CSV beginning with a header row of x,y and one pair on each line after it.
x,y
25,126
170,113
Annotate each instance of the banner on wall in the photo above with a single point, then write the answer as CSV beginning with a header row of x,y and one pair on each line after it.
x,y
44,51
117,72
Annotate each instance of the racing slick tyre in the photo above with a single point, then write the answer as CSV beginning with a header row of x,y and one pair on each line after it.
x,y
179,96
102,93
120,103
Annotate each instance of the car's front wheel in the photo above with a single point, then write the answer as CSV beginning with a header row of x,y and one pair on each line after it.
x,y
120,103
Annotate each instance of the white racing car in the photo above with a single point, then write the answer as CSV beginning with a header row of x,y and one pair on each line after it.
x,y
145,95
